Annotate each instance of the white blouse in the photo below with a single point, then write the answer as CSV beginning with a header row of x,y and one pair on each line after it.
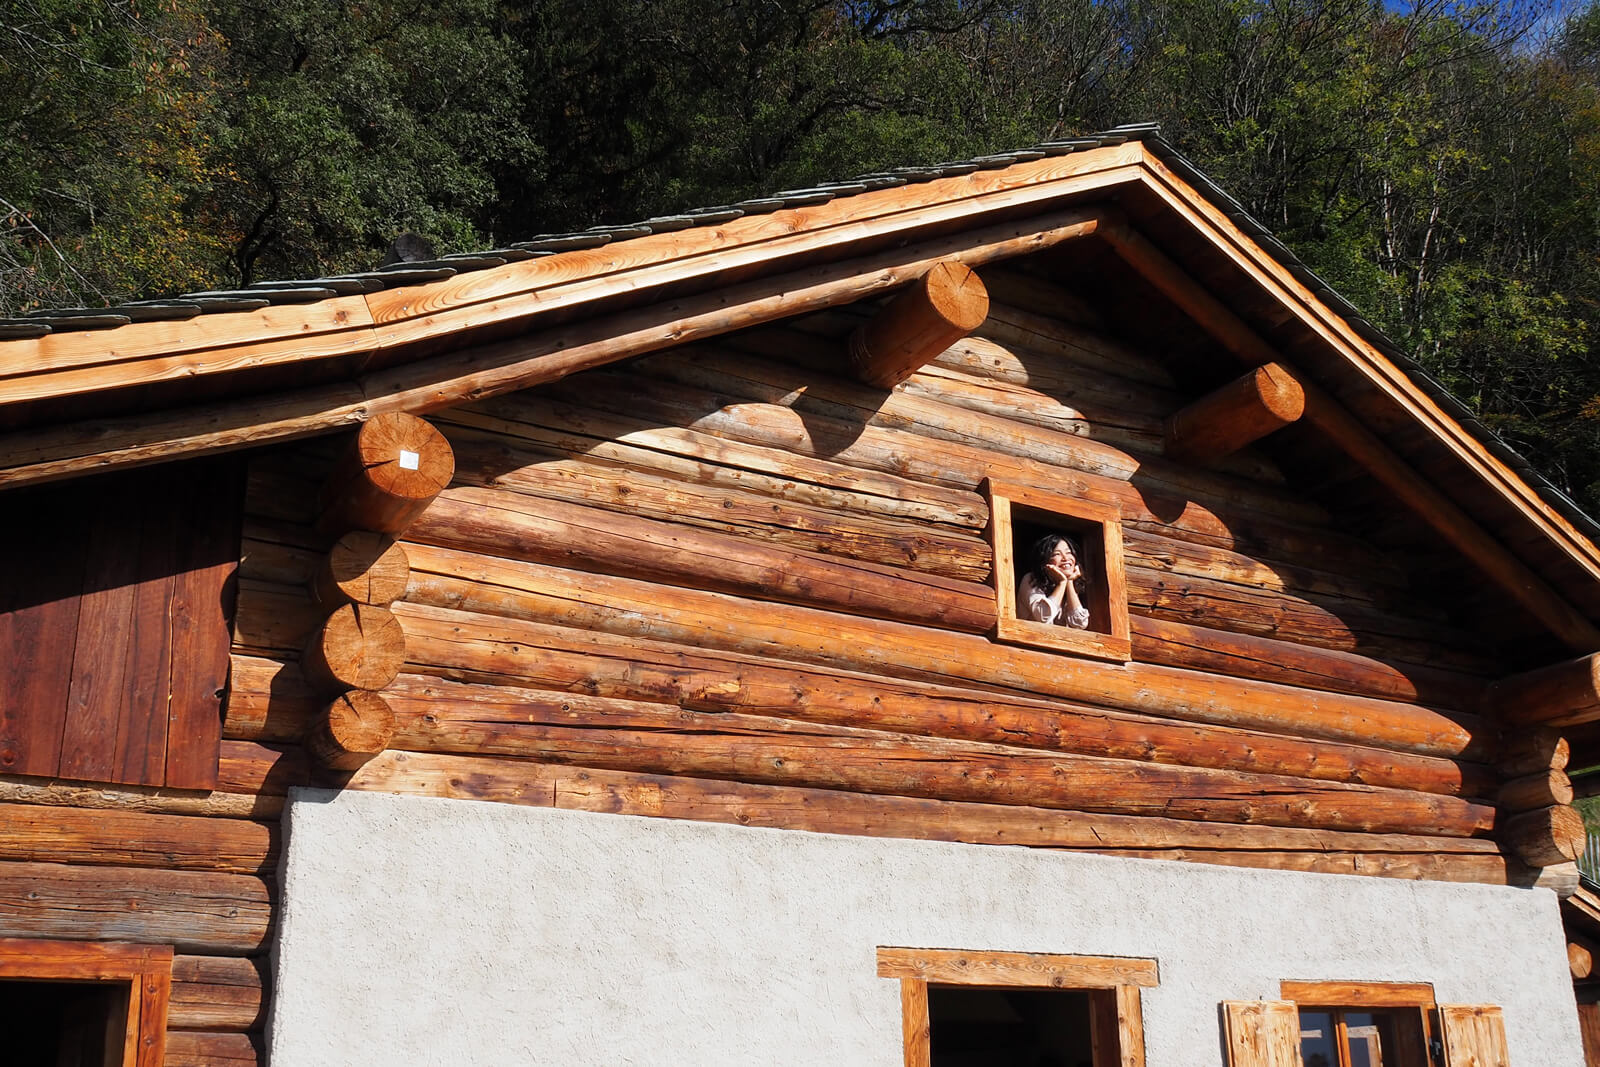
x,y
1034,603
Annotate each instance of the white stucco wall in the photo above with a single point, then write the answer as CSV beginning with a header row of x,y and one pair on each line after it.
x,y
419,931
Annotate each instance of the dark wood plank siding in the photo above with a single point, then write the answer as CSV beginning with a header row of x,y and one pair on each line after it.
x,y
116,605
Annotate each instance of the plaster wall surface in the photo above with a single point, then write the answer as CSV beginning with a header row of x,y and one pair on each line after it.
x,y
422,931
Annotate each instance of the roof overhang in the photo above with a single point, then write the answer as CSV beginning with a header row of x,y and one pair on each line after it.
x,y
79,402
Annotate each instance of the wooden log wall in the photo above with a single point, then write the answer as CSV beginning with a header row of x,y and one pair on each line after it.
x,y
721,583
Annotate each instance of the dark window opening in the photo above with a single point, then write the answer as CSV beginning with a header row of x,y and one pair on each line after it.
x,y
977,1026
63,1024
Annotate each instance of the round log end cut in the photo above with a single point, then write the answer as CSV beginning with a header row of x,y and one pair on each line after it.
x,y
1580,961
958,294
1280,393
1546,837
361,646
364,567
351,730
395,468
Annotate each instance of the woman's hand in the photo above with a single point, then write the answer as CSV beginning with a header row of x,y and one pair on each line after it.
x,y
1071,573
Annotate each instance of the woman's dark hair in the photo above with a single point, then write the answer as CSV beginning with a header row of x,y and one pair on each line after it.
x,y
1039,556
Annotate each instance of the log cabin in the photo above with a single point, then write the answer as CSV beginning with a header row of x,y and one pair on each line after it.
x,y
626,646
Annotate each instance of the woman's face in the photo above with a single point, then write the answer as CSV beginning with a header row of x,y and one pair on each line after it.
x,y
1062,557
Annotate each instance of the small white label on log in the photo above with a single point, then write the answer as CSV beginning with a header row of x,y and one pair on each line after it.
x,y
409,460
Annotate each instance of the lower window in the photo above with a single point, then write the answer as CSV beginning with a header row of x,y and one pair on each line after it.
x,y
997,1009
83,1004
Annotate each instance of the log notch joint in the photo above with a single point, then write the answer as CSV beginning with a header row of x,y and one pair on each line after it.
x,y
1562,694
1239,414
392,471
938,310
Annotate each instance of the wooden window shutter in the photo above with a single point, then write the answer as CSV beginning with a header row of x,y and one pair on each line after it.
x,y
1474,1035
1262,1033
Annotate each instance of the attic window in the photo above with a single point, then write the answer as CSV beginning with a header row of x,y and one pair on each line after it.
x,y
1090,613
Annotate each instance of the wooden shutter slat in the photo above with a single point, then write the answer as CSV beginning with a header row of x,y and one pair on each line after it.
x,y
105,632
1262,1033
202,604
41,585
141,725
1474,1035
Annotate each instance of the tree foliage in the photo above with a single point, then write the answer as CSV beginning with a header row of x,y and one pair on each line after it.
x,y
1436,162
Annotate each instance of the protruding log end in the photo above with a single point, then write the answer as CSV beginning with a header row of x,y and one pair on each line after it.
x,y
943,306
1538,790
392,472
351,730
361,646
1580,961
363,567
1534,749
1562,694
1546,837
1239,414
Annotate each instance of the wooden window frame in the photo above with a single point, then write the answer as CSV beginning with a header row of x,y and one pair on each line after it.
x,y
146,970
1112,982
1114,643
1338,998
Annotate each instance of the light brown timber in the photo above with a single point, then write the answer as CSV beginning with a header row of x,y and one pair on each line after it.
x,y
833,811
1028,970
221,993
1535,748
944,305
915,1023
201,1048
1562,694
444,578
1240,413
363,567
136,839
387,477
196,912
1540,790
352,729
1545,837
570,535
1324,994
95,797
360,646
635,736
1580,961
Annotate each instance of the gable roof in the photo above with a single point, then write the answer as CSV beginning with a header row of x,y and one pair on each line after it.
x,y
328,353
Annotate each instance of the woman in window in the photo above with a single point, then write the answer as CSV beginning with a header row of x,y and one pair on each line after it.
x,y
1049,592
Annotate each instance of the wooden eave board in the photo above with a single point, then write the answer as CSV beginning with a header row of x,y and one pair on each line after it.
x,y
141,353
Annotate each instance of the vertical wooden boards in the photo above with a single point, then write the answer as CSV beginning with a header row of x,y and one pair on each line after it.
x,y
202,601
116,624
915,1023
105,633
1262,1033
39,607
1474,1035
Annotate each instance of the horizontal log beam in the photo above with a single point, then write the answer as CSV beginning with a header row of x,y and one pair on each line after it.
x,y
601,732
555,532
626,607
269,703
200,1048
196,912
242,804
491,369
136,839
1536,748
218,993
1539,790
1562,694
1547,837
825,810
935,311
1239,414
